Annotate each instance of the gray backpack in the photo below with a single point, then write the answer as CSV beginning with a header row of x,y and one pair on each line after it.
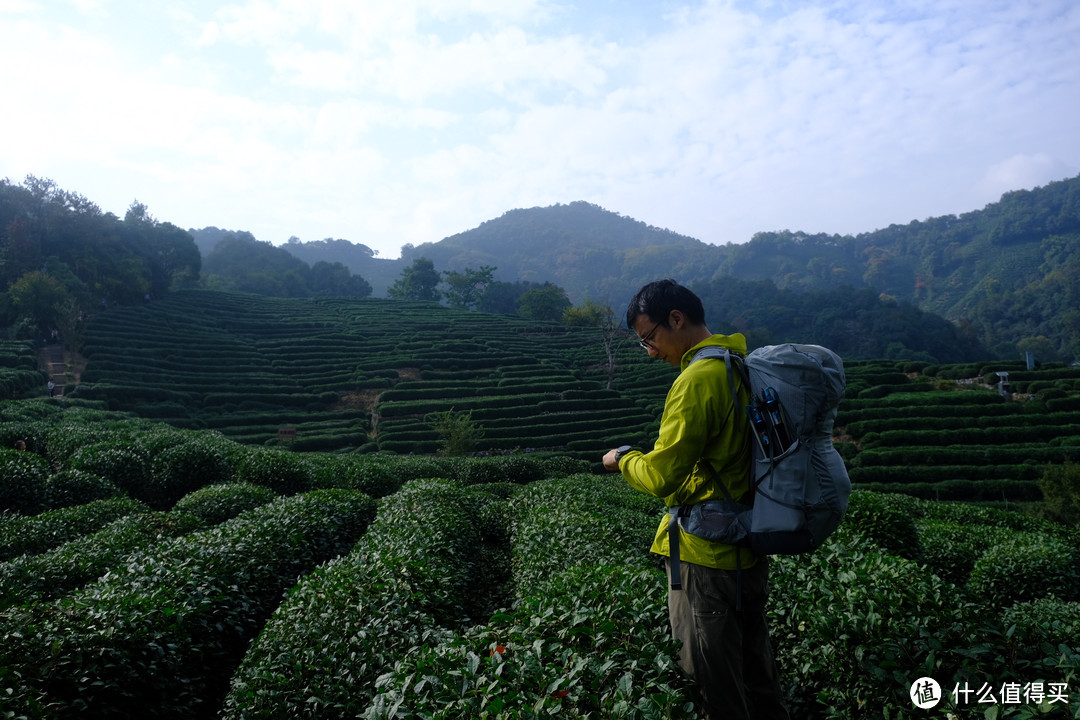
x,y
800,485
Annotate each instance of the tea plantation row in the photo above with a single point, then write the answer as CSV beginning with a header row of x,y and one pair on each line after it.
x,y
364,374
19,371
915,429
271,584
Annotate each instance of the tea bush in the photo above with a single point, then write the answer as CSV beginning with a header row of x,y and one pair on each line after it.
x,y
877,518
579,519
22,481
588,635
503,468
401,587
596,644
217,503
31,535
161,635
951,549
1026,566
180,469
33,578
76,487
124,463
283,472
854,626
1047,621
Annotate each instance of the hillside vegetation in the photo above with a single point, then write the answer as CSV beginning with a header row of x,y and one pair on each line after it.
x,y
187,562
1011,270
1005,278
152,571
368,375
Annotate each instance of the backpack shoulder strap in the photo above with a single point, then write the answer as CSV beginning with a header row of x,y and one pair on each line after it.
x,y
730,359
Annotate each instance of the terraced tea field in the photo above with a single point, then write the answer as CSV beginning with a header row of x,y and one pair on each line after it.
x,y
950,434
366,375
363,375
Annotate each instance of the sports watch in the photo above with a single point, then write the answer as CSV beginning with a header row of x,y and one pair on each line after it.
x,y
620,451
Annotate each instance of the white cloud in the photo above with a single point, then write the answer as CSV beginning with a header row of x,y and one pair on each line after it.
x,y
1022,171
403,122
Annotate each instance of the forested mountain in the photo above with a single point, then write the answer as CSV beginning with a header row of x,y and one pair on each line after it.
x,y
60,256
237,261
1007,277
1010,272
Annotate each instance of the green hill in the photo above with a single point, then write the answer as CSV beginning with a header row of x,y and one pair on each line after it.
x,y
1005,278
1010,271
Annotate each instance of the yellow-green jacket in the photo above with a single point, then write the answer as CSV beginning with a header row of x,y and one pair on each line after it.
x,y
699,421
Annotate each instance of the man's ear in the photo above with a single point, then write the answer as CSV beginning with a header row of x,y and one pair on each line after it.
x,y
676,319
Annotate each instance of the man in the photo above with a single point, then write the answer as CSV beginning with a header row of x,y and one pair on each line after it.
x,y
725,643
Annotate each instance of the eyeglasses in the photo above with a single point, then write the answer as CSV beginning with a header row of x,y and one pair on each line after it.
x,y
644,342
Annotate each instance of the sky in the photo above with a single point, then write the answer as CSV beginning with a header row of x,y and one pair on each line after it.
x,y
386,122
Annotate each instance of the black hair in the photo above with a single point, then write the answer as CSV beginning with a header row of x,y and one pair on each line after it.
x,y
659,298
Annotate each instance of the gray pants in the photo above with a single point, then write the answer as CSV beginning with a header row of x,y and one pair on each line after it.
x,y
727,653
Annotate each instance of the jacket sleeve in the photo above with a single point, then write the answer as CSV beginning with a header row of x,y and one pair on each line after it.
x,y
688,422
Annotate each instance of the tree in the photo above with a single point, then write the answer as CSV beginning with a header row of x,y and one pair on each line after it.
x,y
502,297
418,281
1060,485
545,303
592,314
457,430
465,289
1041,346
43,300
19,253
334,279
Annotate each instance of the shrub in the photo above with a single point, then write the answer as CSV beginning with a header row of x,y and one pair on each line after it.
x,y
42,577
161,635
1060,485
1048,621
502,468
124,463
283,472
873,517
1027,566
457,432
22,481
178,470
345,623
853,627
75,487
951,549
597,645
67,437
365,473
215,504
32,535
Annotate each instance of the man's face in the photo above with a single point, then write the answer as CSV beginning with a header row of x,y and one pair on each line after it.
x,y
660,341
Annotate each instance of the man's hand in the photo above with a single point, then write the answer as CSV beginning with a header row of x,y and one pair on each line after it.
x,y
609,461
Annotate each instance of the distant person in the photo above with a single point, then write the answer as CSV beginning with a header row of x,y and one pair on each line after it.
x,y
725,643
20,444
52,387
